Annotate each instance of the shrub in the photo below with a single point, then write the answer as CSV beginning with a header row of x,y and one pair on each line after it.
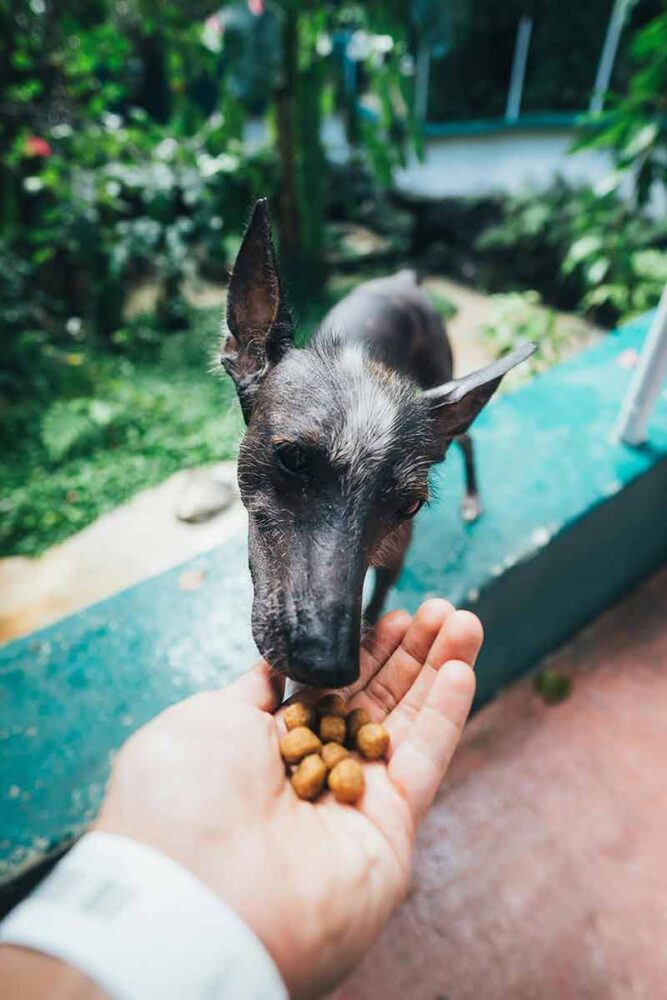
x,y
520,316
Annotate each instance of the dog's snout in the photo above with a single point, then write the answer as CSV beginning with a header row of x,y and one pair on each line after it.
x,y
324,650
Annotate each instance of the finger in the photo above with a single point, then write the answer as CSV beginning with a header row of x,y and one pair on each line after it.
x,y
418,765
460,638
390,683
378,646
261,686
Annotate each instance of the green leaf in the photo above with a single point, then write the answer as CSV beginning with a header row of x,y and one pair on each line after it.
x,y
640,141
584,247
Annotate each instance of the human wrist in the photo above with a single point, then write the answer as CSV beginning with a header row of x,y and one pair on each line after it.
x,y
142,926
32,975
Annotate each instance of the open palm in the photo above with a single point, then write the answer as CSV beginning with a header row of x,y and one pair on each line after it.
x,y
204,782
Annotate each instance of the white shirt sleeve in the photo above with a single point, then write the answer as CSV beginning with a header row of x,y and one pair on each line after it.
x,y
142,927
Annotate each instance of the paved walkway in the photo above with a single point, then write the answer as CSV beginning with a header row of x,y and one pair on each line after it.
x,y
131,543
542,871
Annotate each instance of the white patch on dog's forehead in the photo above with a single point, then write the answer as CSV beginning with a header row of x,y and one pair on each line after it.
x,y
370,412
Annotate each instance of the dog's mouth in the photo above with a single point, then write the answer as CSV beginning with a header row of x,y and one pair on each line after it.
x,y
306,666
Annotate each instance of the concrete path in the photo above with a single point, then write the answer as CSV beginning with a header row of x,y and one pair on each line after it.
x,y
136,540
542,871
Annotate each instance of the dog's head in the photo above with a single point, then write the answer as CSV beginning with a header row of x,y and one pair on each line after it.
x,y
335,460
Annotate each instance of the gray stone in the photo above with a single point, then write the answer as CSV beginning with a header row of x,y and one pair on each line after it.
x,y
205,494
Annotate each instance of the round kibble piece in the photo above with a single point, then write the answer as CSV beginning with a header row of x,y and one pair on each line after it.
x,y
299,743
332,754
332,729
331,704
372,741
300,714
357,718
308,779
347,781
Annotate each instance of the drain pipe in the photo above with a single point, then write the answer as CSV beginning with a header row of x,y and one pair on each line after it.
x,y
647,381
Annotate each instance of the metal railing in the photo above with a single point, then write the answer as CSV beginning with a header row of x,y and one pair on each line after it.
x,y
647,381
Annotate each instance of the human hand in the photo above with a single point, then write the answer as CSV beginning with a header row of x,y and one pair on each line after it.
x,y
205,784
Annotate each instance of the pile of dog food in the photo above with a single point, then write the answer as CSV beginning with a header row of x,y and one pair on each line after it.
x,y
317,746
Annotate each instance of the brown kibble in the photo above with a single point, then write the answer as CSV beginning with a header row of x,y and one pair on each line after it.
x,y
331,704
308,779
332,754
357,718
300,714
347,781
372,741
299,743
332,729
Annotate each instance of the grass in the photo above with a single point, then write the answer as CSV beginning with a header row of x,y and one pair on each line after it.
x,y
140,420
125,422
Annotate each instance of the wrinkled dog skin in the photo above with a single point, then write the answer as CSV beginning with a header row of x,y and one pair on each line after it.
x,y
341,435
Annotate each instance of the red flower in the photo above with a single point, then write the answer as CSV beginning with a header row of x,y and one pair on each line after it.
x,y
34,146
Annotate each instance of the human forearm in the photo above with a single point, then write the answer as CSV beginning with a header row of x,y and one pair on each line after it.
x,y
31,975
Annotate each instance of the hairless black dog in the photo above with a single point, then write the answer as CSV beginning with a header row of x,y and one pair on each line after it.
x,y
341,435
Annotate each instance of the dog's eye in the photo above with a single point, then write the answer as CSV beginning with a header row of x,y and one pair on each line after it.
x,y
410,509
292,459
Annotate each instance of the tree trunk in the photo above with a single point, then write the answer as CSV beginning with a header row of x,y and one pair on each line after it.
x,y
302,166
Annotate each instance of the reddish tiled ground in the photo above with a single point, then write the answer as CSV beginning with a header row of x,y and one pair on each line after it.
x,y
541,873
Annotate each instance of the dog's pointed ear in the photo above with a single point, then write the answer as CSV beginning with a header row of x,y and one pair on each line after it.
x,y
455,404
259,324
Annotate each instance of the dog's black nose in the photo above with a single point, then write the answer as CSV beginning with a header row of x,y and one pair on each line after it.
x,y
310,666
325,653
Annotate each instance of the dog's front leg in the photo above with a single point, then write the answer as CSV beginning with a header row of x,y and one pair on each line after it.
x,y
389,562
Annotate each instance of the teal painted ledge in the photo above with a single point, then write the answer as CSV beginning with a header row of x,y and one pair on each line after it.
x,y
537,121
572,521
572,518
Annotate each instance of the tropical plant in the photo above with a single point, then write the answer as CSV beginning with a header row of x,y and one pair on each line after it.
x,y
302,83
620,246
633,126
521,316
617,253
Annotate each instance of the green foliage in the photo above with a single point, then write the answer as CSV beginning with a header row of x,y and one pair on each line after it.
x,y
580,247
634,126
64,464
526,246
107,180
521,316
77,426
618,251
612,254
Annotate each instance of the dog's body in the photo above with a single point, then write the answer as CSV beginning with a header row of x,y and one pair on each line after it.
x,y
395,320
341,437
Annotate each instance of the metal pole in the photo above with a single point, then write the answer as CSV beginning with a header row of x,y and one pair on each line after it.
x,y
609,50
647,380
519,61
